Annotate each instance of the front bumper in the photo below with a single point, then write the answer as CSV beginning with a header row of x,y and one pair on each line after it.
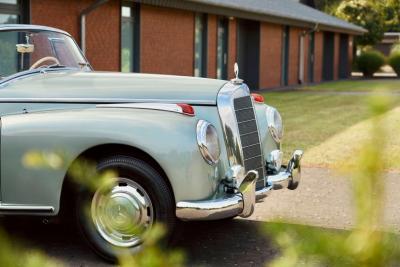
x,y
241,201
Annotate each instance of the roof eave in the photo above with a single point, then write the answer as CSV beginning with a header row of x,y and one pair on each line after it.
x,y
245,14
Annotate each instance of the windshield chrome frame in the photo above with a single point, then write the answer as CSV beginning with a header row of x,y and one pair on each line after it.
x,y
37,28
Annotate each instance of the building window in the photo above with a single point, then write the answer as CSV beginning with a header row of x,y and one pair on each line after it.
x,y
130,41
222,48
11,11
200,45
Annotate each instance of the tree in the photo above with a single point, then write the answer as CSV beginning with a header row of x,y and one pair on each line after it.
x,y
391,13
367,14
328,6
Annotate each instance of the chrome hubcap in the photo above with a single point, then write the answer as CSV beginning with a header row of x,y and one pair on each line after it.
x,y
122,213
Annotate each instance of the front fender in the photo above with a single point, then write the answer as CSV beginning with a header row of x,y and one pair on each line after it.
x,y
169,138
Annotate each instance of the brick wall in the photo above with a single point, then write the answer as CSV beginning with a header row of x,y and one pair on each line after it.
x,y
232,47
212,47
336,56
270,55
319,50
166,41
294,56
103,35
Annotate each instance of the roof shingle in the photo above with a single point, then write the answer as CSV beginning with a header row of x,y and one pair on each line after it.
x,y
288,9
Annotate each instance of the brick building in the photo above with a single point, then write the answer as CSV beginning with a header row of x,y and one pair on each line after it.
x,y
276,42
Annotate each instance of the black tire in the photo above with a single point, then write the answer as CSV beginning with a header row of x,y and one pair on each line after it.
x,y
150,180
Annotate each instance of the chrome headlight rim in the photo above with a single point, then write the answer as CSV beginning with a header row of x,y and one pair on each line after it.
x,y
202,128
275,124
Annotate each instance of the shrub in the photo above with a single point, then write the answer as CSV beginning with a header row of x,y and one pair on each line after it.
x,y
394,62
369,62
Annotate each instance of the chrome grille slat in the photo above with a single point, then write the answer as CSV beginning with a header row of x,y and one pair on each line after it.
x,y
257,156
245,121
248,133
243,109
249,137
251,145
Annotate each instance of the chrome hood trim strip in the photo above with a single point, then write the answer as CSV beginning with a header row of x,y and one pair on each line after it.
x,y
152,106
105,101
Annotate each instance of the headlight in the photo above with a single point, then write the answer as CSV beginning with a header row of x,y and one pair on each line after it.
x,y
275,124
207,139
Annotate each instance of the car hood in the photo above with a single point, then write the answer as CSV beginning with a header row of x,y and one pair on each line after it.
x,y
76,86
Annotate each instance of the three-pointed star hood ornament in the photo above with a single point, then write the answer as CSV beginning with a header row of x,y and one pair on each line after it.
x,y
236,80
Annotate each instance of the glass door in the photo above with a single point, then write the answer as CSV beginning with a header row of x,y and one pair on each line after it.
x,y
222,49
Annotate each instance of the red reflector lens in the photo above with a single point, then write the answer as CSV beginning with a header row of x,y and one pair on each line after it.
x,y
258,98
187,109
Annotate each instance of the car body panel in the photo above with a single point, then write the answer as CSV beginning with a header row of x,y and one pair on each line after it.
x,y
83,87
170,138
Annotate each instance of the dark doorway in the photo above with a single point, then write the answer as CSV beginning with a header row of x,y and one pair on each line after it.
x,y
249,52
311,57
285,55
344,57
328,57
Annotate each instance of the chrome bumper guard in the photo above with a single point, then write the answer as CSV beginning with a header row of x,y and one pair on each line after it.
x,y
241,203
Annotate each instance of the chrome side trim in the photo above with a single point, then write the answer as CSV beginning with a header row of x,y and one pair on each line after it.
x,y
227,115
153,106
25,27
28,208
104,100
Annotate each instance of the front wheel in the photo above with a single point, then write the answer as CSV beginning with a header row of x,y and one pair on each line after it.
x,y
116,218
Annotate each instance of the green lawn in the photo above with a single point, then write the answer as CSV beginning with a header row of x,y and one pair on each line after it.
x,y
329,127
392,85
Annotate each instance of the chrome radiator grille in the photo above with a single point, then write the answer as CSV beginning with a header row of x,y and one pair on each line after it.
x,y
248,131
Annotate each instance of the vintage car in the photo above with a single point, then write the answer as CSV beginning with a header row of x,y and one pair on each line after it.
x,y
181,148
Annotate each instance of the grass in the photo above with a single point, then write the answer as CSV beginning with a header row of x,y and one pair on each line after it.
x,y
330,128
392,85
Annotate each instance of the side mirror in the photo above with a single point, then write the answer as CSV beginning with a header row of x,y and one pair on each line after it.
x,y
25,48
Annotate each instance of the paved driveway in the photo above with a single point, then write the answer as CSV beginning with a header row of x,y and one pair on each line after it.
x,y
322,200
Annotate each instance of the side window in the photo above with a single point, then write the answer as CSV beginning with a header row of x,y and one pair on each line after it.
x,y
222,48
200,45
9,60
14,11
130,37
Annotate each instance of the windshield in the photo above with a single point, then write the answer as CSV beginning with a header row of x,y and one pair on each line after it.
x,y
28,50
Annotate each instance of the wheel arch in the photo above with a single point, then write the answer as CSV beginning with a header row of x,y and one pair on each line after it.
x,y
99,152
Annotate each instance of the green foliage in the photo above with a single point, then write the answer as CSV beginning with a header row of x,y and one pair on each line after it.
x,y
394,62
84,172
328,6
376,16
366,245
12,255
391,13
369,62
366,14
